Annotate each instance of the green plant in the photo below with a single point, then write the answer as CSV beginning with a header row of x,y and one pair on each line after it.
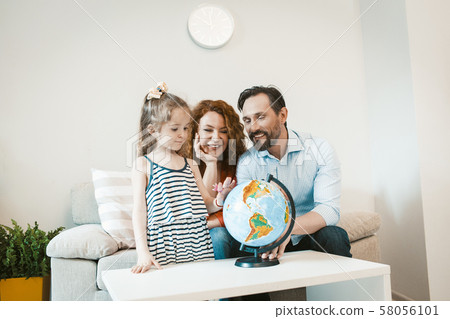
x,y
23,252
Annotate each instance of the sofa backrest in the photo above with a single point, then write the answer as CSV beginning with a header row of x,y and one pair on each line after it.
x,y
84,205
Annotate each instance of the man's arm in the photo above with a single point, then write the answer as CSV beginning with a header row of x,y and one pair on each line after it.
x,y
308,223
327,185
327,194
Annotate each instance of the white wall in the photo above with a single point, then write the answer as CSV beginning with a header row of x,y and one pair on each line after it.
x,y
395,155
429,34
406,52
70,96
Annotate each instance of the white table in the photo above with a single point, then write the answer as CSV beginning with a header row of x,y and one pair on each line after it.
x,y
326,277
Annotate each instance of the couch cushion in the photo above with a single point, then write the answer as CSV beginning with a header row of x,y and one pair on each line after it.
x,y
359,224
367,249
84,205
114,195
122,259
85,241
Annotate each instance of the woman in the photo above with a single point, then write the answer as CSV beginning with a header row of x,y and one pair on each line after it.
x,y
219,141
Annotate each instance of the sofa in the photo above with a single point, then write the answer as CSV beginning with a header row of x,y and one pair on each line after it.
x,y
80,254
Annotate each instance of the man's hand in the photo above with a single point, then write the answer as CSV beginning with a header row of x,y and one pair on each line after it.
x,y
277,252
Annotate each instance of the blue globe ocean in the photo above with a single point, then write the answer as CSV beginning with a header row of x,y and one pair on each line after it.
x,y
256,213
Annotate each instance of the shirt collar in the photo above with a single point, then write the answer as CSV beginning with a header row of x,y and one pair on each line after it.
x,y
295,144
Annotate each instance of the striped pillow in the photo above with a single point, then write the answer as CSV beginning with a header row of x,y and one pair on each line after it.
x,y
114,196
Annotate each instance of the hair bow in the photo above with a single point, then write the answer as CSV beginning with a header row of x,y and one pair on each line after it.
x,y
155,93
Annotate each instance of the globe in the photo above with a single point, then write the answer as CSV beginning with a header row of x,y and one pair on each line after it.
x,y
256,213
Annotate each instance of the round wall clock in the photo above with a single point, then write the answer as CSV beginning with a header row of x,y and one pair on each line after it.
x,y
210,26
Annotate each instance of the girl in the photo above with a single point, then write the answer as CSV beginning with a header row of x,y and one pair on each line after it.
x,y
170,200
219,142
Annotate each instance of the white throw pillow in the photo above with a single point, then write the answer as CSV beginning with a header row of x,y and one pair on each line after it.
x,y
114,195
86,242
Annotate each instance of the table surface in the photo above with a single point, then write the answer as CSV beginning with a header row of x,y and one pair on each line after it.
x,y
221,278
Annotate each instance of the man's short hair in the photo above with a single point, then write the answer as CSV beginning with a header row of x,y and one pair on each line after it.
x,y
275,97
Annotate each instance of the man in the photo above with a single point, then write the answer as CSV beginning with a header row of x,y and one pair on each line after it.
x,y
306,165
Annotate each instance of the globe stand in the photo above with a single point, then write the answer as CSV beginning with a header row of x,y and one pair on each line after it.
x,y
256,261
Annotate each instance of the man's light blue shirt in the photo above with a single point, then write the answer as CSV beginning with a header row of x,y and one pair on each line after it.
x,y
310,170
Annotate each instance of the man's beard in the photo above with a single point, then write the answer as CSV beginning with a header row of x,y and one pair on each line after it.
x,y
265,144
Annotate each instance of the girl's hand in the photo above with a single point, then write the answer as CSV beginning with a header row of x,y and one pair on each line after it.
x,y
205,157
145,263
223,189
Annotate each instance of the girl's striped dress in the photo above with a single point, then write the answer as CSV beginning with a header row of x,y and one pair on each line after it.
x,y
176,229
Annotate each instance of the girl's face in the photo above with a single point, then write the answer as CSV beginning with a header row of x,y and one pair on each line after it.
x,y
174,133
213,134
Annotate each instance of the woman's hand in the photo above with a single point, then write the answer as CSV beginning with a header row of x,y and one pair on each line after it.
x,y
212,221
144,263
223,189
205,157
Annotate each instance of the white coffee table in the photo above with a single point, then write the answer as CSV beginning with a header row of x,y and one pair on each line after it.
x,y
326,277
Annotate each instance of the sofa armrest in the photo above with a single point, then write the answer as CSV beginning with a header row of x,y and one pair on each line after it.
x,y
85,242
359,225
73,279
